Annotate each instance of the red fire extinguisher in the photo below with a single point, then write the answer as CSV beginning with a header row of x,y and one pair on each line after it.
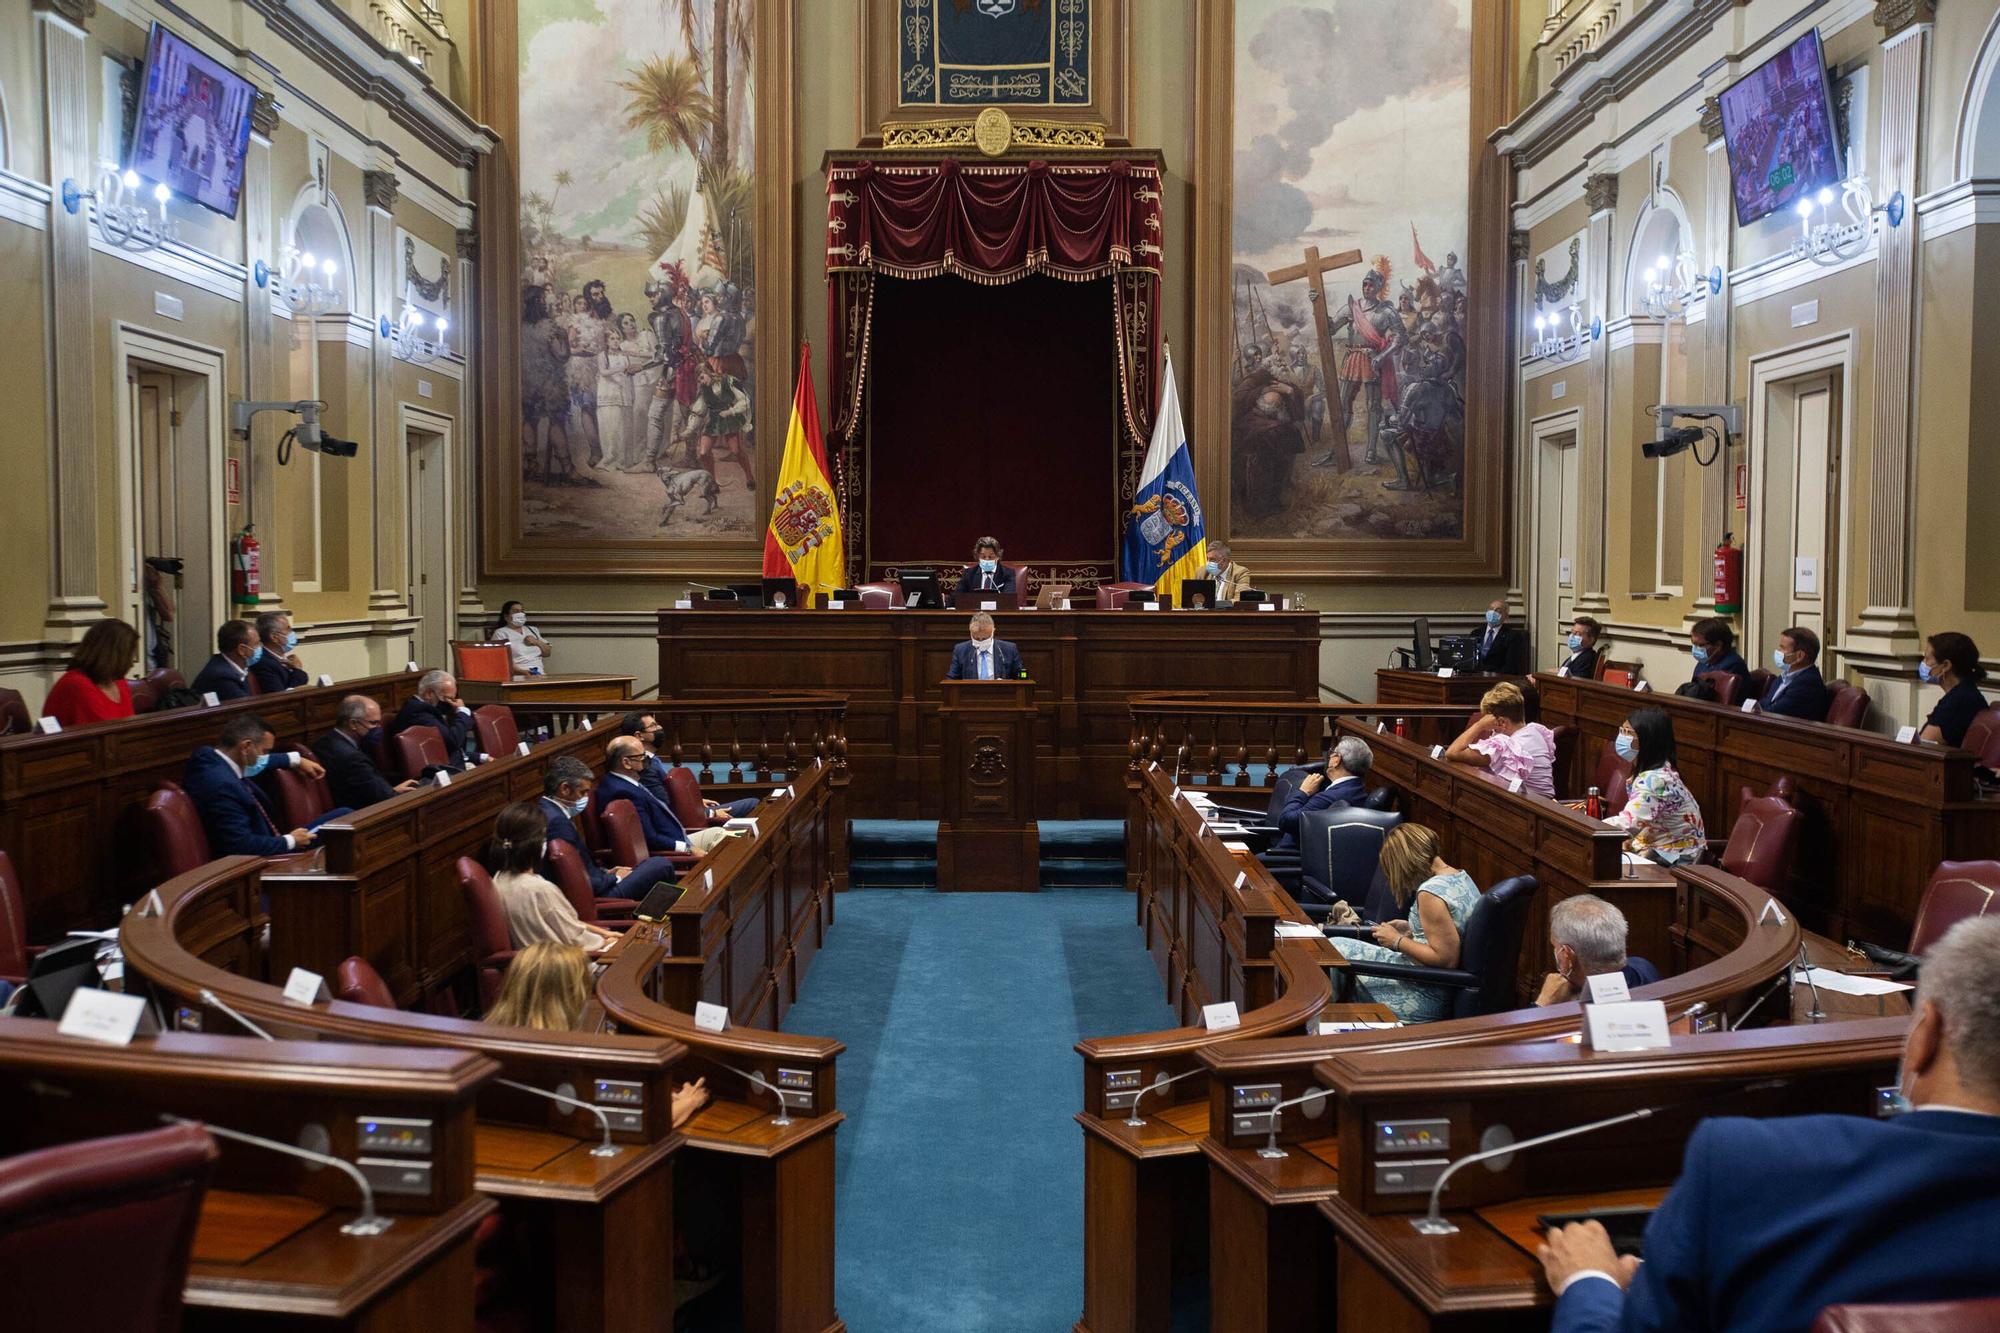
x,y
1728,577
244,579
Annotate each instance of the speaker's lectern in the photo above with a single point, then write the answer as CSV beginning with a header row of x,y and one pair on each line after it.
x,y
987,839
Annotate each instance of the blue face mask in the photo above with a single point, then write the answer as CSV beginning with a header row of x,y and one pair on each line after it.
x,y
988,566
576,807
1778,659
1492,617
1924,672
1628,748
1575,643
1211,570
1700,653
257,765
256,656
291,641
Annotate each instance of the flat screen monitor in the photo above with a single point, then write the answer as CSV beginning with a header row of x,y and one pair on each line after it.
x,y
780,594
1420,640
1198,594
749,594
922,584
1777,123
193,124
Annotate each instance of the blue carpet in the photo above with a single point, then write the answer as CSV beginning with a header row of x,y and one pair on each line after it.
x,y
902,853
960,1165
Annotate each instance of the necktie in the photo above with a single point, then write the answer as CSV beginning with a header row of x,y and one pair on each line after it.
x,y
985,664
257,799
986,584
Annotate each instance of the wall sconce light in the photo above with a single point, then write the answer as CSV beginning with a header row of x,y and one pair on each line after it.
x,y
417,338
122,214
1835,238
1553,344
310,282
1673,285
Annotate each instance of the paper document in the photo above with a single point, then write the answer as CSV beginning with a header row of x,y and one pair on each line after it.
x,y
1846,983
1298,930
1328,1027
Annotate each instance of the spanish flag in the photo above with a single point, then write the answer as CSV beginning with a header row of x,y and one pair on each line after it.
x,y
804,539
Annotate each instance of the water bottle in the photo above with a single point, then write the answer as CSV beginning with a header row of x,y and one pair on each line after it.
x,y
1593,804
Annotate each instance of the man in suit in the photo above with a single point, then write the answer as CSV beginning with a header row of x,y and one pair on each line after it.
x,y
983,657
624,763
1798,690
1589,938
1501,647
986,573
233,809
1581,664
436,704
1347,763
1230,578
227,674
565,792
1773,1220
1713,644
277,668
647,728
351,774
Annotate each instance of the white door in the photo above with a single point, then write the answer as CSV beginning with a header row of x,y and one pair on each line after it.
x,y
1555,544
1795,580
169,472
430,526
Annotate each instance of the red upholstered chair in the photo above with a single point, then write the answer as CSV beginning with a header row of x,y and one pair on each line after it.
x,y
1113,596
418,748
486,922
146,691
13,925
1983,738
1563,766
591,830
1597,672
14,717
1849,705
299,799
1762,843
623,834
567,870
1613,778
173,831
684,795
125,1205
1730,689
357,982
1974,1316
1958,890
488,662
1623,674
881,596
498,736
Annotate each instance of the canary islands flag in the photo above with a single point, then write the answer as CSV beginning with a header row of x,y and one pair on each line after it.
x,y
1165,541
804,539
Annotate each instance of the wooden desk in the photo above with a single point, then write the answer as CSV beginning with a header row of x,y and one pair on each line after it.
x,y
573,687
1397,685
1879,816
1088,665
69,802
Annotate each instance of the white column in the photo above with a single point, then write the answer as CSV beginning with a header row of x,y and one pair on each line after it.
x,y
1593,515
386,462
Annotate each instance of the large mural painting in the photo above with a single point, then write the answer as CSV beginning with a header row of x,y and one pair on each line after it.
x,y
638,290
1347,411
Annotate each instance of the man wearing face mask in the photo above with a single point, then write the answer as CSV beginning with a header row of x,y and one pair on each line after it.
x,y
233,809
436,704
983,657
1798,690
1230,578
1588,936
277,667
566,785
1775,1219
624,763
351,774
986,573
227,674
654,776
1581,664
1501,648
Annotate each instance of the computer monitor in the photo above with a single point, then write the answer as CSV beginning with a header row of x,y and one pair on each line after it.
x,y
1420,640
920,590
780,594
749,594
1198,594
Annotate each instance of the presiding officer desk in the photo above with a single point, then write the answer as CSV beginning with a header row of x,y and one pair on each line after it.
x,y
268,1251
1086,665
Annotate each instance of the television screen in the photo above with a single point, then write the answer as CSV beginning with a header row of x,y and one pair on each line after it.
x,y
193,124
1777,122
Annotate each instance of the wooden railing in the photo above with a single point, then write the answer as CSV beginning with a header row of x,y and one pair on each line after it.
x,y
744,741
1213,743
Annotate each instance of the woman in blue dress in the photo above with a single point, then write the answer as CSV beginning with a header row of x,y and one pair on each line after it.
x,y
1439,897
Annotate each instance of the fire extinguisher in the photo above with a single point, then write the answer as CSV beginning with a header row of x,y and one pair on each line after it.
x,y
1728,577
244,579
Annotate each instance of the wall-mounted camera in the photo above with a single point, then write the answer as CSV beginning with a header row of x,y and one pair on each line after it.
x,y
1722,421
308,433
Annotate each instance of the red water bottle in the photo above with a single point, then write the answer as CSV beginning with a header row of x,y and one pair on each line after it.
x,y
1593,804
1399,727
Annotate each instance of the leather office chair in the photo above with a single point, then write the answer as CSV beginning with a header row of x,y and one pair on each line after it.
x,y
1597,672
1113,596
1849,705
1982,738
418,748
1612,777
684,797
624,836
1340,849
486,924
1958,891
1973,1316
494,725
882,595
1263,827
299,799
253,685
1382,798
1624,674
567,872
14,952
1563,765
146,690
1730,689
1762,843
129,1202
357,982
173,831
14,719
591,829
1489,953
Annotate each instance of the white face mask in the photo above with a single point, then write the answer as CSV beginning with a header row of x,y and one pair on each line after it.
x,y
518,619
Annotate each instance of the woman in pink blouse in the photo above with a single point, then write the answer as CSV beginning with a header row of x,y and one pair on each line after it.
x,y
1507,745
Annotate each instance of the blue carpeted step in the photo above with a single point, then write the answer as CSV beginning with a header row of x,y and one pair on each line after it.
x,y
902,853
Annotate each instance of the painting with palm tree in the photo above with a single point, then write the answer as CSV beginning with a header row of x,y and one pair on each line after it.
x,y
638,290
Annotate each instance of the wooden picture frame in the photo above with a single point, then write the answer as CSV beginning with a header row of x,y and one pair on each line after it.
x,y
1481,553
504,549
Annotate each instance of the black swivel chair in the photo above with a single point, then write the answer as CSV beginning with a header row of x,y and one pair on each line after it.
x,y
1340,853
1263,824
1489,954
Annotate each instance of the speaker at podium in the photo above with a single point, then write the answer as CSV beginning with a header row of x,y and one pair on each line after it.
x,y
988,840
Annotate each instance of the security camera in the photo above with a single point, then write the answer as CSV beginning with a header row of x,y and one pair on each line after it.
x,y
1672,442
308,433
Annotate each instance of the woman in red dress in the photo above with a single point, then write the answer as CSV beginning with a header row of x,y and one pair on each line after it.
x,y
94,688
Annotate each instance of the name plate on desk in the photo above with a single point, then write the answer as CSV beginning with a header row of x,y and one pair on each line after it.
x,y
684,604
710,1017
1216,1017
1634,1025
102,1015
989,606
325,679
1445,673
1608,988
1267,606
48,726
304,987
412,667
1904,735
212,699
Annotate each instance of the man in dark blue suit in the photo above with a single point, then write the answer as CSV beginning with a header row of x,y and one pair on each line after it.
x,y
983,657
1798,690
986,573
227,674
277,668
565,792
1713,645
1501,648
233,808
436,704
1773,1220
654,777
1346,764
1587,936
624,762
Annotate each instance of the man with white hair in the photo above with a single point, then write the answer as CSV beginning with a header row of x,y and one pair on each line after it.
x,y
1230,578
983,657
1346,764
1588,936
436,704
1774,1220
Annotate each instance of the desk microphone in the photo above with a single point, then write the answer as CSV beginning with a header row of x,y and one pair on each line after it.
x,y
783,1117
604,1149
370,1223
1180,762
214,1001
1691,1013
1804,964
1137,1121
1271,1148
